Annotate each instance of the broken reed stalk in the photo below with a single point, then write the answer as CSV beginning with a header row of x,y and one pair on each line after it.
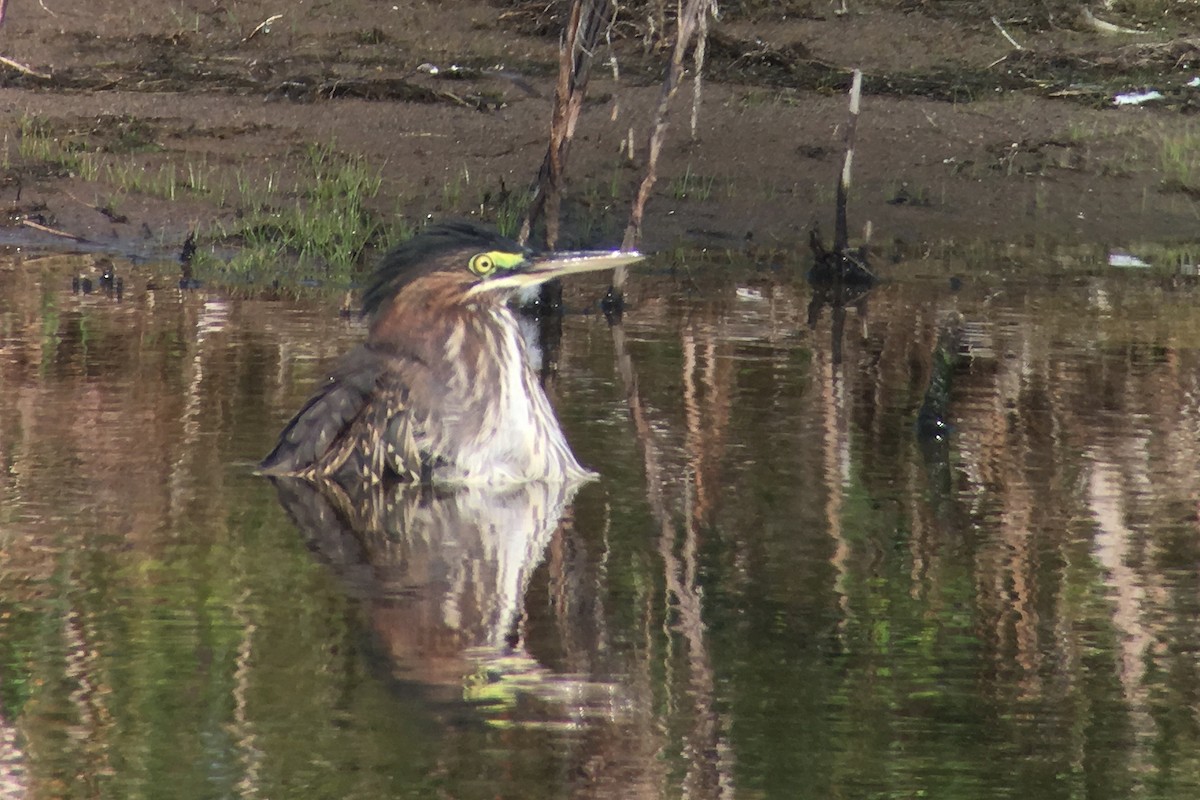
x,y
685,28
841,230
587,20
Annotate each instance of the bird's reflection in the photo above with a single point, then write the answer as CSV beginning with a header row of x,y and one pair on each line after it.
x,y
838,297
443,574
840,278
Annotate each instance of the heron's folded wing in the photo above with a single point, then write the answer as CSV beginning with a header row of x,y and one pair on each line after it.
x,y
359,423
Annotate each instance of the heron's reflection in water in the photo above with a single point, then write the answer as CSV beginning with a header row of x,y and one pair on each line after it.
x,y
443,574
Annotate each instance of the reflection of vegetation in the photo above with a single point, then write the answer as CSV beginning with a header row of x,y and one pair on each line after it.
x,y
1001,627
211,655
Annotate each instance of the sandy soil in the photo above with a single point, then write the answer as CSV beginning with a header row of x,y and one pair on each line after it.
x,y
960,136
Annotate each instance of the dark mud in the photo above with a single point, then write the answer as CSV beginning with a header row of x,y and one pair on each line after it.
x,y
962,136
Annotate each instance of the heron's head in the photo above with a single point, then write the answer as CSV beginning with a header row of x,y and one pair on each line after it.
x,y
461,263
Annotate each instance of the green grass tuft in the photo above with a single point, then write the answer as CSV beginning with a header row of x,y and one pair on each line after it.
x,y
690,186
317,231
1179,161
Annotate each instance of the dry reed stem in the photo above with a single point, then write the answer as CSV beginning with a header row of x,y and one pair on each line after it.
x,y
841,230
698,68
588,19
688,22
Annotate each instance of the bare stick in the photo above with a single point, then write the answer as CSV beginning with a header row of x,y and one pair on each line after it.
x,y
612,62
262,26
3,10
550,174
1100,26
698,66
28,223
19,67
1004,33
686,25
841,232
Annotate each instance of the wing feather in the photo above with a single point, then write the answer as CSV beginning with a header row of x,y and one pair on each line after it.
x,y
359,423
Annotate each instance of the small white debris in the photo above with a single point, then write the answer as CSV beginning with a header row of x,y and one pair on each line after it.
x,y
1137,98
1126,260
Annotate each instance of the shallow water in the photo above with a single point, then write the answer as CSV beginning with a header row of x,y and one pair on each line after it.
x,y
776,589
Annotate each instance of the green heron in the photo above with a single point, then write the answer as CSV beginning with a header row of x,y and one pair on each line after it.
x,y
443,389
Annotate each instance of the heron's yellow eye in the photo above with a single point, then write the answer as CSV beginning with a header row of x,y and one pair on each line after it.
x,y
482,265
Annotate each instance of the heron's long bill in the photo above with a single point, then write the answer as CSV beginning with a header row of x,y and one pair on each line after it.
x,y
558,265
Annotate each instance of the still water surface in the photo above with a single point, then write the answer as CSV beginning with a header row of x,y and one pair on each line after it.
x,y
775,590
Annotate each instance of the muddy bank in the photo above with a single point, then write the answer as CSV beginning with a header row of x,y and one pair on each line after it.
x,y
159,121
